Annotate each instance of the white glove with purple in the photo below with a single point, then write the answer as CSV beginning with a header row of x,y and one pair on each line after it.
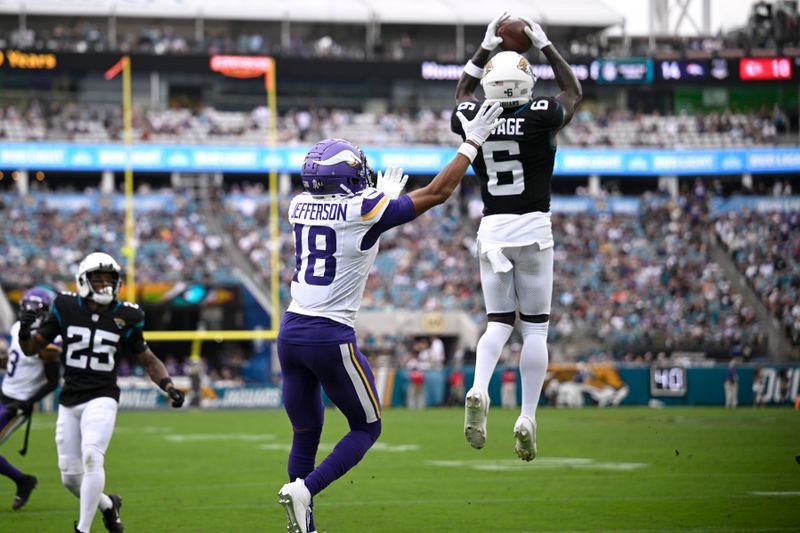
x,y
535,33
491,40
392,182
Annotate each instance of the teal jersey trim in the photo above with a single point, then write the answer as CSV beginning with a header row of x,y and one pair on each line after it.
x,y
58,316
138,325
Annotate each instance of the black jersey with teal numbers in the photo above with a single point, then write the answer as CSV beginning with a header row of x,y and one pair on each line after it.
x,y
515,164
92,343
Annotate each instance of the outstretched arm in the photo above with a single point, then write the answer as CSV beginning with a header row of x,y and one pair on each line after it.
x,y
571,91
473,71
475,132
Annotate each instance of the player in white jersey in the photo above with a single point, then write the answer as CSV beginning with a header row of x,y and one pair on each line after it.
x,y
28,379
515,238
335,273
337,223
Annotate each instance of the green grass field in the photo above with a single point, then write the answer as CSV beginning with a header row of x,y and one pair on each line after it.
x,y
623,469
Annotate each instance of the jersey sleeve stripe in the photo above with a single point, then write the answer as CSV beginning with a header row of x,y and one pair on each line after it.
x,y
138,325
375,210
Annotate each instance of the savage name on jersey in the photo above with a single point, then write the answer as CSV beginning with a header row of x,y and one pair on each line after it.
x,y
336,241
515,165
92,341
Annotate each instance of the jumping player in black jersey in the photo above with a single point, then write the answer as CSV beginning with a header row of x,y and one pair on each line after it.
x,y
95,327
515,239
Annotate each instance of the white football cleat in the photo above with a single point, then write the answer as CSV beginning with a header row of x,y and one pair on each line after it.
x,y
476,409
296,499
525,433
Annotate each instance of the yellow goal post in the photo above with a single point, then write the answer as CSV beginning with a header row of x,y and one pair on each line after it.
x,y
236,66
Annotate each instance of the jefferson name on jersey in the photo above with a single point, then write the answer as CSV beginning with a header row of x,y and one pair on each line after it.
x,y
336,241
92,341
319,211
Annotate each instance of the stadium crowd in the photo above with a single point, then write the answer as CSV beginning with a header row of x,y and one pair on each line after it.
x,y
626,280
95,123
770,27
632,282
180,38
41,243
766,248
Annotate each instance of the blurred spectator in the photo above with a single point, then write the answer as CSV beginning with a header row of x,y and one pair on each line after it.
x,y
415,393
731,386
455,380
783,387
758,386
508,387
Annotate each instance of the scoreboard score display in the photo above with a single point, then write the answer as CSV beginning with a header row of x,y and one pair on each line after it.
x,y
765,68
668,381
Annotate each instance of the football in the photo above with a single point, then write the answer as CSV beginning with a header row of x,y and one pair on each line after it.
x,y
514,38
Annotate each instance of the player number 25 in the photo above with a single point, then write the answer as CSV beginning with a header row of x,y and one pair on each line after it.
x,y
79,339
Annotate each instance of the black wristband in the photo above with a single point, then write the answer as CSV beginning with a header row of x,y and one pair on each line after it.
x,y
164,382
24,334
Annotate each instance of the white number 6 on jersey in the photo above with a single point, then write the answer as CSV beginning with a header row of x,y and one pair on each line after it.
x,y
514,166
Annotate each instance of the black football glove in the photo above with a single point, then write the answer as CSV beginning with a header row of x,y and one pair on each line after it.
x,y
27,316
177,397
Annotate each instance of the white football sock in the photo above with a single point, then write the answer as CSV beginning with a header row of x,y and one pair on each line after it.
x,y
94,480
532,364
488,351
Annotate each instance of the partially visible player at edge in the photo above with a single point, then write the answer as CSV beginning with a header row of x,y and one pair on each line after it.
x,y
337,223
95,326
28,379
515,238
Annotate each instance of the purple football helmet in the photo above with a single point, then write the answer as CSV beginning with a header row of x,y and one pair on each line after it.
x,y
335,166
38,299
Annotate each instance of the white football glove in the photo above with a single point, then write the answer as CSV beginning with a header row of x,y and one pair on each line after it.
x,y
535,33
480,127
392,182
491,40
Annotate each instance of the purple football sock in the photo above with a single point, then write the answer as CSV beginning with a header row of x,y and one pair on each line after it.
x,y
8,470
302,457
303,453
347,453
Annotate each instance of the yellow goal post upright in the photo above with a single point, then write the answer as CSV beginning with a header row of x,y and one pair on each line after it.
x,y
239,67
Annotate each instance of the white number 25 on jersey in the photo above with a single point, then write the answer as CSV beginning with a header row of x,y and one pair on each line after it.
x,y
100,357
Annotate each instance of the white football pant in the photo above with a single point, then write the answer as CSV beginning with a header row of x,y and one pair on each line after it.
x,y
83,433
